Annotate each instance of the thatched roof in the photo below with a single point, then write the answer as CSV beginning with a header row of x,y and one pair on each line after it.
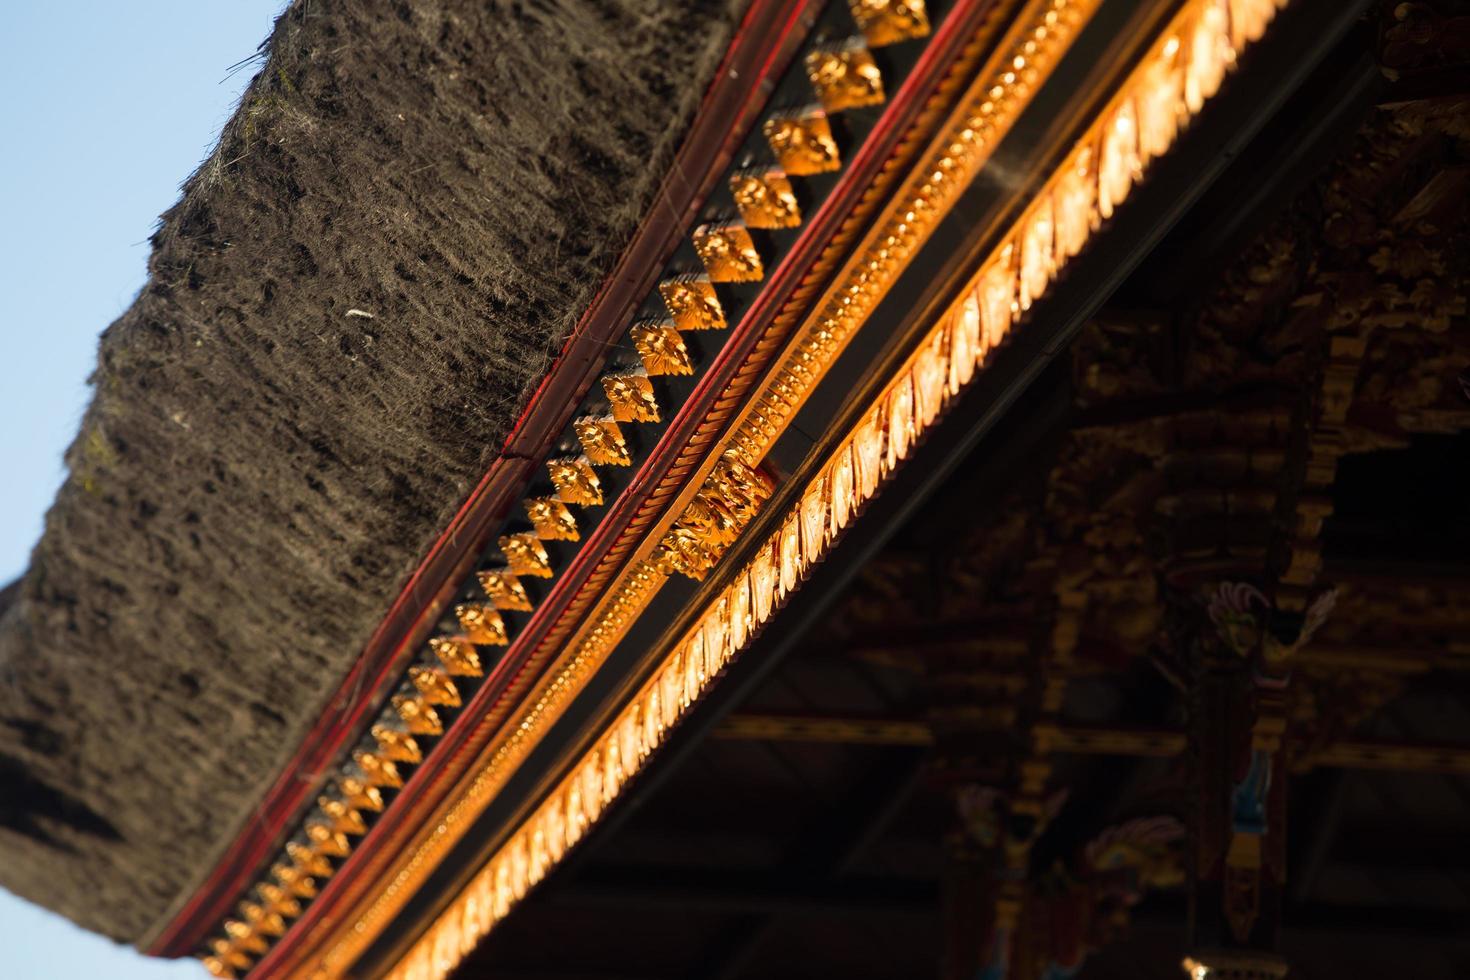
x,y
401,223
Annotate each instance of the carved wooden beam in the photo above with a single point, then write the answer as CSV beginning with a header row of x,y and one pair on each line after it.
x,y
1150,743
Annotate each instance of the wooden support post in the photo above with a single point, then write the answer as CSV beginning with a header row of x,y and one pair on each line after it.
x,y
1240,658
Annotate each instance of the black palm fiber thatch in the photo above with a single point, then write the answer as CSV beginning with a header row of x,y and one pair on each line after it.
x,y
344,313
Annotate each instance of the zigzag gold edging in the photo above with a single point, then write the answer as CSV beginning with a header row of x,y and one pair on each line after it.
x,y
842,77
1184,67
1033,47
1043,19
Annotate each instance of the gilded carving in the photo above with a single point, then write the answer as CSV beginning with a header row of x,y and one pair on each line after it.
x,y
307,862
359,795
885,22
575,481
376,770
728,254
263,920
244,937
457,655
396,745
279,900
803,143
602,441
418,714
631,398
481,624
326,840
341,817
294,880
731,496
845,78
765,199
551,518
692,303
662,350
526,555
435,686
505,590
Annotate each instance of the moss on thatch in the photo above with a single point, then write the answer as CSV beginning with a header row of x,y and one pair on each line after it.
x,y
401,223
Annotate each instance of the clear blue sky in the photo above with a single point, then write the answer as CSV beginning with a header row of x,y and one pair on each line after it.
x,y
107,108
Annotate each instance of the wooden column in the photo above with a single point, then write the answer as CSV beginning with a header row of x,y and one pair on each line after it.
x,y
1241,658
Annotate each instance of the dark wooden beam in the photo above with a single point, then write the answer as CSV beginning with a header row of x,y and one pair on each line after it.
x,y
1374,755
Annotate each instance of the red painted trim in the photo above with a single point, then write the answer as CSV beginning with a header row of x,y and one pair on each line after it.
x,y
736,94
601,554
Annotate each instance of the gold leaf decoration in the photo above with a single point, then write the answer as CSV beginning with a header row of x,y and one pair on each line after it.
x,y
765,199
458,655
435,686
551,518
526,555
602,440
294,880
307,862
661,349
1037,253
327,841
1075,195
264,920
376,770
575,481
418,715
504,589
803,143
728,254
279,899
482,624
845,78
692,302
358,794
397,746
228,954
244,936
729,499
218,967
1119,164
343,819
885,22
631,397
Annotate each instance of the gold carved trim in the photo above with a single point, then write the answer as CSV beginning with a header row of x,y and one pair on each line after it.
x,y
1048,26
994,102
1182,69
727,502
844,78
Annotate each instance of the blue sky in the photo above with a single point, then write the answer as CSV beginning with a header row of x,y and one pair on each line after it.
x,y
108,107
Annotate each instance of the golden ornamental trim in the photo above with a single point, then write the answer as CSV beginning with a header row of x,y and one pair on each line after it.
x,y
729,500
885,435
802,142
692,303
845,77
765,199
728,253
885,22
643,578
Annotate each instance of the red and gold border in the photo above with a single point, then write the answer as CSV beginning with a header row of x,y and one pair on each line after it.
x,y
542,703
1182,69
771,31
336,829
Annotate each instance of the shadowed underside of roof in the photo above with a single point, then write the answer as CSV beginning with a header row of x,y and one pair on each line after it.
x,y
345,312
